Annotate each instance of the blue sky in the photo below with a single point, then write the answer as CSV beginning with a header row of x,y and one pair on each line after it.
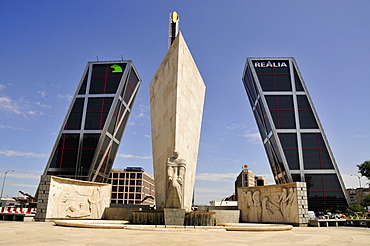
x,y
45,46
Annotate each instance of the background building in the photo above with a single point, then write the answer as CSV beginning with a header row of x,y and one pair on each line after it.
x,y
90,135
356,195
246,178
131,186
291,132
260,181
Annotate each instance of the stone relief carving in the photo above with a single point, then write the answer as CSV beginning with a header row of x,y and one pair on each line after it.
x,y
272,208
68,200
176,168
95,202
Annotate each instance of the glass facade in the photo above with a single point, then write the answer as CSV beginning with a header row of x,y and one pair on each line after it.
x,y
90,136
294,140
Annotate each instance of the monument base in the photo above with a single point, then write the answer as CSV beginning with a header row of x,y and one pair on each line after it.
x,y
200,219
176,217
148,217
173,216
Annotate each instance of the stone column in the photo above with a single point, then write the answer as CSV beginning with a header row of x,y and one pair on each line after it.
x,y
177,94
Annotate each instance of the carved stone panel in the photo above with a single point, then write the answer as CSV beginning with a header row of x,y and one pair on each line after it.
x,y
285,203
68,198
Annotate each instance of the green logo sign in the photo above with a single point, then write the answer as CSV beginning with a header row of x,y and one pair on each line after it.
x,y
116,68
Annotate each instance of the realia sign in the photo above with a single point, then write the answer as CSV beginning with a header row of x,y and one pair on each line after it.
x,y
270,64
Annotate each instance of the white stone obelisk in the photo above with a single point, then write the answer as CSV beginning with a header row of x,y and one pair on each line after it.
x,y
177,94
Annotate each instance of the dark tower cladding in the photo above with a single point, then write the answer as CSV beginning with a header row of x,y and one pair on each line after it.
x,y
92,130
291,132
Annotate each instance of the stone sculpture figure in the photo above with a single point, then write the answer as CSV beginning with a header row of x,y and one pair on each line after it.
x,y
283,201
290,199
266,212
79,212
176,168
95,203
252,199
257,206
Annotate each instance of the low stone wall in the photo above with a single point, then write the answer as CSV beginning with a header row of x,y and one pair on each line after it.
x,y
118,213
226,216
328,222
61,198
16,217
285,203
200,219
148,217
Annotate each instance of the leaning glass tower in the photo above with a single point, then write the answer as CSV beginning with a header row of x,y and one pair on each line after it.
x,y
92,130
291,132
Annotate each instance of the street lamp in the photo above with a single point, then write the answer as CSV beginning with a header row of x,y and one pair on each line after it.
x,y
359,178
2,189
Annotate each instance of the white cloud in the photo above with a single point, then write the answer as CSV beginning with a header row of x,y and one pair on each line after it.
x,y
7,104
42,93
228,177
66,96
18,175
21,185
133,156
139,118
19,107
12,128
2,87
211,190
147,136
204,195
216,177
253,137
43,105
240,126
19,153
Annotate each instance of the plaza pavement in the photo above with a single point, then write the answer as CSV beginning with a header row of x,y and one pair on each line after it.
x,y
45,233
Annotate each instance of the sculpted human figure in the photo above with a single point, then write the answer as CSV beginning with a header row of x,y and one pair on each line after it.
x,y
257,206
289,201
79,212
63,204
175,178
95,203
266,212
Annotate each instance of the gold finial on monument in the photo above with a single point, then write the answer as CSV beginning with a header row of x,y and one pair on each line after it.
x,y
174,26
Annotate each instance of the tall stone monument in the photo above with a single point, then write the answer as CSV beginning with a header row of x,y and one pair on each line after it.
x,y
177,94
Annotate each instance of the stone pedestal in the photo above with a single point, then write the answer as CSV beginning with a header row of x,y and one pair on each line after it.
x,y
174,216
152,217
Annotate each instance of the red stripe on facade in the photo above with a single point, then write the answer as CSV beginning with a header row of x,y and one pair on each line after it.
x,y
273,73
101,114
102,77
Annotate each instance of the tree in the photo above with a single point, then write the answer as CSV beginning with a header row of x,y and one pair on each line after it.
x,y
366,201
355,208
364,169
